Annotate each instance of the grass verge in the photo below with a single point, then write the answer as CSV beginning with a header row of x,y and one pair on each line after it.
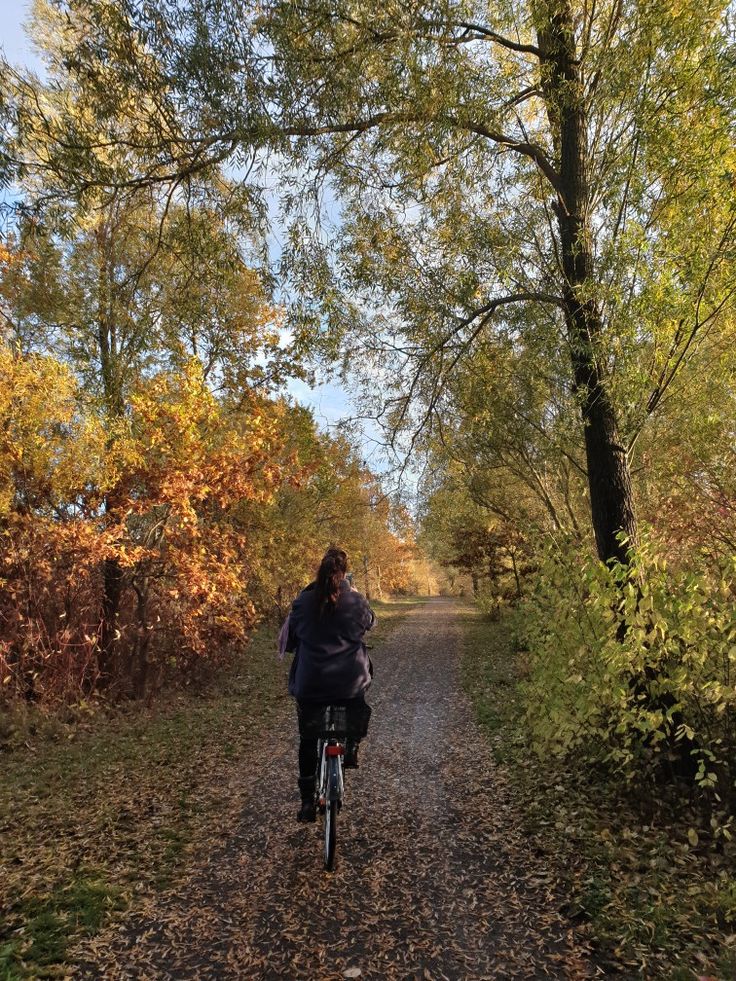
x,y
657,900
97,813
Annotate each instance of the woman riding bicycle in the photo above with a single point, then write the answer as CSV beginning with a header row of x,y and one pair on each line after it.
x,y
326,626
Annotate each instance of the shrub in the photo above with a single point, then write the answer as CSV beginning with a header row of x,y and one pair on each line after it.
x,y
634,666
145,501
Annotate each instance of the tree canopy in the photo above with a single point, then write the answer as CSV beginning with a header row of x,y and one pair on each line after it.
x,y
544,183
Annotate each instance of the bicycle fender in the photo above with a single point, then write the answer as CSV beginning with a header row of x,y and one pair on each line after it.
x,y
333,780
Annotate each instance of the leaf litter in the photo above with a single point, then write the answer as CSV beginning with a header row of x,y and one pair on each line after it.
x,y
435,878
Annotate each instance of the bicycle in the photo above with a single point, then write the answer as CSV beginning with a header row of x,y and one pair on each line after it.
x,y
331,776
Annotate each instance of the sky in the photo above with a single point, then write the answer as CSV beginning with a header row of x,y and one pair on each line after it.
x,y
12,37
329,402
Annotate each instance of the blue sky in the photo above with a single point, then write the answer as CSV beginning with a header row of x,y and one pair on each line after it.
x,y
14,42
329,402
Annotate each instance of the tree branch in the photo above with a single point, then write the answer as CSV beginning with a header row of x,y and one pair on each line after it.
x,y
478,31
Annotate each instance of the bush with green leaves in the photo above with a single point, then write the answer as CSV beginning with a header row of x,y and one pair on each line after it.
x,y
634,666
491,600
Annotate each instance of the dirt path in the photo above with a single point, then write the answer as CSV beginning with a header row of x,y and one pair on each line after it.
x,y
434,878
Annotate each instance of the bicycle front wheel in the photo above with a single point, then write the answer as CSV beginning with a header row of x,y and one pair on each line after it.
x,y
330,834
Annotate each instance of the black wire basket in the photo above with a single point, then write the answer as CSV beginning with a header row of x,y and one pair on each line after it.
x,y
334,721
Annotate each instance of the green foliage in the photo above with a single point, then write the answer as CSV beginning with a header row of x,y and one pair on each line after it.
x,y
653,904
480,549
633,667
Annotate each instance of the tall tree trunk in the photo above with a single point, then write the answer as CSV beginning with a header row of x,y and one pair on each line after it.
x,y
609,476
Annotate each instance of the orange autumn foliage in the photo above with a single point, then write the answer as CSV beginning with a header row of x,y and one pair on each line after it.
x,y
151,496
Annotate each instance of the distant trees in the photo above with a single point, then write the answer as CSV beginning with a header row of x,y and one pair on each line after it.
x,y
336,499
478,549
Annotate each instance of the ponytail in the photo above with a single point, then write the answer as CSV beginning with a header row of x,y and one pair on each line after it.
x,y
331,571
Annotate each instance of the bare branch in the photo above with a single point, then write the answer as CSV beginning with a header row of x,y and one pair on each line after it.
x,y
478,31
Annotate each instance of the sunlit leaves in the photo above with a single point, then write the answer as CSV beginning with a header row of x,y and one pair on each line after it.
x,y
178,464
656,699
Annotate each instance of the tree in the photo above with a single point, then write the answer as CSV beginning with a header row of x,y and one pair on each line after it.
x,y
548,168
337,500
463,535
153,490
182,463
118,297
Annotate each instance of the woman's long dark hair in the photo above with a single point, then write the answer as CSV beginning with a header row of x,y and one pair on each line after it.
x,y
331,571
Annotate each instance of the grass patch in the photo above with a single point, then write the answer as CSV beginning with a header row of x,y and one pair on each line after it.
x,y
97,810
490,674
655,904
50,922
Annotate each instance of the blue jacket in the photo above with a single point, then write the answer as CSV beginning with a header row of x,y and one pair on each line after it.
x,y
331,660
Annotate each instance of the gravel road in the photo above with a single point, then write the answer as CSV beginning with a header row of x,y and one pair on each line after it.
x,y
434,880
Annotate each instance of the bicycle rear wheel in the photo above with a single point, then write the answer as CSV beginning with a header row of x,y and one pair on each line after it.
x,y
330,834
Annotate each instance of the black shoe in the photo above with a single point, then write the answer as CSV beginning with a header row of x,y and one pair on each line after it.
x,y
351,755
307,814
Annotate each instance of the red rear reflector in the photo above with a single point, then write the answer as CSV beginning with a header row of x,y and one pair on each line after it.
x,y
335,751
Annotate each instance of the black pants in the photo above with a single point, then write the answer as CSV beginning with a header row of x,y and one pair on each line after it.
x,y
310,715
